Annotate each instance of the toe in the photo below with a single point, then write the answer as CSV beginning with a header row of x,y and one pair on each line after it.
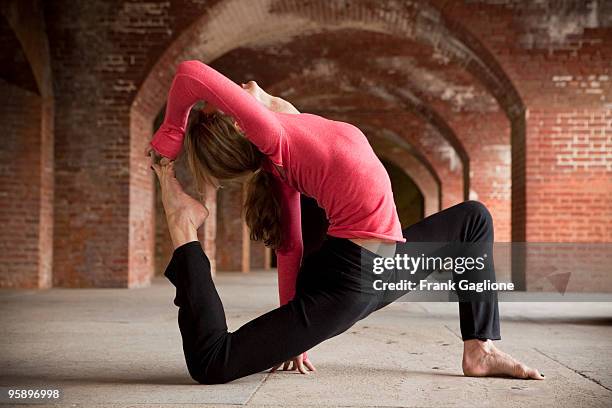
x,y
535,374
156,168
520,371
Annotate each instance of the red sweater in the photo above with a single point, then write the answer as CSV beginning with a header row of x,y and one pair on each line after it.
x,y
327,160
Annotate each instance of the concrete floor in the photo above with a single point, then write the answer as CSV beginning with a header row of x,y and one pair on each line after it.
x,y
121,348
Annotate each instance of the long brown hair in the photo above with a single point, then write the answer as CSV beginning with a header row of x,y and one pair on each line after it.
x,y
218,151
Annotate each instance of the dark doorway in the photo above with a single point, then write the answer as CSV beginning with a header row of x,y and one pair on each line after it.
x,y
408,198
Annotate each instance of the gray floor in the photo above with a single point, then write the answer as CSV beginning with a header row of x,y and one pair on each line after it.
x,y
121,348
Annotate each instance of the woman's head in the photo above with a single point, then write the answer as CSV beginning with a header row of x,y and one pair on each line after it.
x,y
218,151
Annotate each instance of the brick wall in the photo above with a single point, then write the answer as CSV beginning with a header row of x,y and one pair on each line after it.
x,y
104,190
24,261
233,244
569,175
487,140
506,102
207,234
27,147
557,57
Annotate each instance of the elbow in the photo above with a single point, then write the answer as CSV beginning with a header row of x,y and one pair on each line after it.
x,y
189,66
291,248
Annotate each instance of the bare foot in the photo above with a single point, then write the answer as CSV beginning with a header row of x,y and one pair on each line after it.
x,y
483,359
183,213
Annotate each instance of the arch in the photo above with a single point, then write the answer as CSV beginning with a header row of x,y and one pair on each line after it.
x,y
267,21
389,83
326,81
395,135
422,109
229,24
417,167
27,22
408,197
501,87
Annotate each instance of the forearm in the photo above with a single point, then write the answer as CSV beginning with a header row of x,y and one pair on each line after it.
x,y
289,255
184,93
288,268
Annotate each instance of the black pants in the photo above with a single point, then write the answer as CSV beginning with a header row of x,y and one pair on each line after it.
x,y
329,300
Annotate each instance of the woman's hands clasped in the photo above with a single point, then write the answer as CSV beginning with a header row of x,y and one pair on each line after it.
x,y
156,157
149,151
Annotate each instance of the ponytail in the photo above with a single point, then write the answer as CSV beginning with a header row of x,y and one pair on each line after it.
x,y
263,210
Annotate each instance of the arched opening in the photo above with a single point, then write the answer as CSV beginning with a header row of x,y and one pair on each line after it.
x,y
416,166
409,200
226,27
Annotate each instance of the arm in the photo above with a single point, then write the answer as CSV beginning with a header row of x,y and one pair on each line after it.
x,y
289,255
289,259
195,81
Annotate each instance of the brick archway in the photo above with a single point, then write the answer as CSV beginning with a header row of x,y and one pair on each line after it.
x,y
412,104
448,175
416,167
215,33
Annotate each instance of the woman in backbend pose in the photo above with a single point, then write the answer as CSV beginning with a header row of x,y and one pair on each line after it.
x,y
247,132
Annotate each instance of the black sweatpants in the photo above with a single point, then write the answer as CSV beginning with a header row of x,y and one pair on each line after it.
x,y
329,299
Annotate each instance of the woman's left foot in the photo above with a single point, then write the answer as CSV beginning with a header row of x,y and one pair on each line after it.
x,y
178,205
184,214
483,359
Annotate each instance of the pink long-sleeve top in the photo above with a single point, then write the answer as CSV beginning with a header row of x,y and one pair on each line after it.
x,y
328,160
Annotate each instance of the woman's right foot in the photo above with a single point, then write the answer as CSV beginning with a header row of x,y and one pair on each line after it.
x,y
483,359
183,213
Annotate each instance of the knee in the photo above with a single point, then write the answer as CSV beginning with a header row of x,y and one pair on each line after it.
x,y
479,210
209,376
208,366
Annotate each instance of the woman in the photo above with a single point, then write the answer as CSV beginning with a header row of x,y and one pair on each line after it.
x,y
287,153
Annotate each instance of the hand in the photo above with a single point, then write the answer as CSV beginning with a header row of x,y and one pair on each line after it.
x,y
156,158
149,151
255,90
301,363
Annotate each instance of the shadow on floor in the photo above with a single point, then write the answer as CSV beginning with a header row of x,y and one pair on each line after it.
x,y
158,379
179,380
382,371
583,321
